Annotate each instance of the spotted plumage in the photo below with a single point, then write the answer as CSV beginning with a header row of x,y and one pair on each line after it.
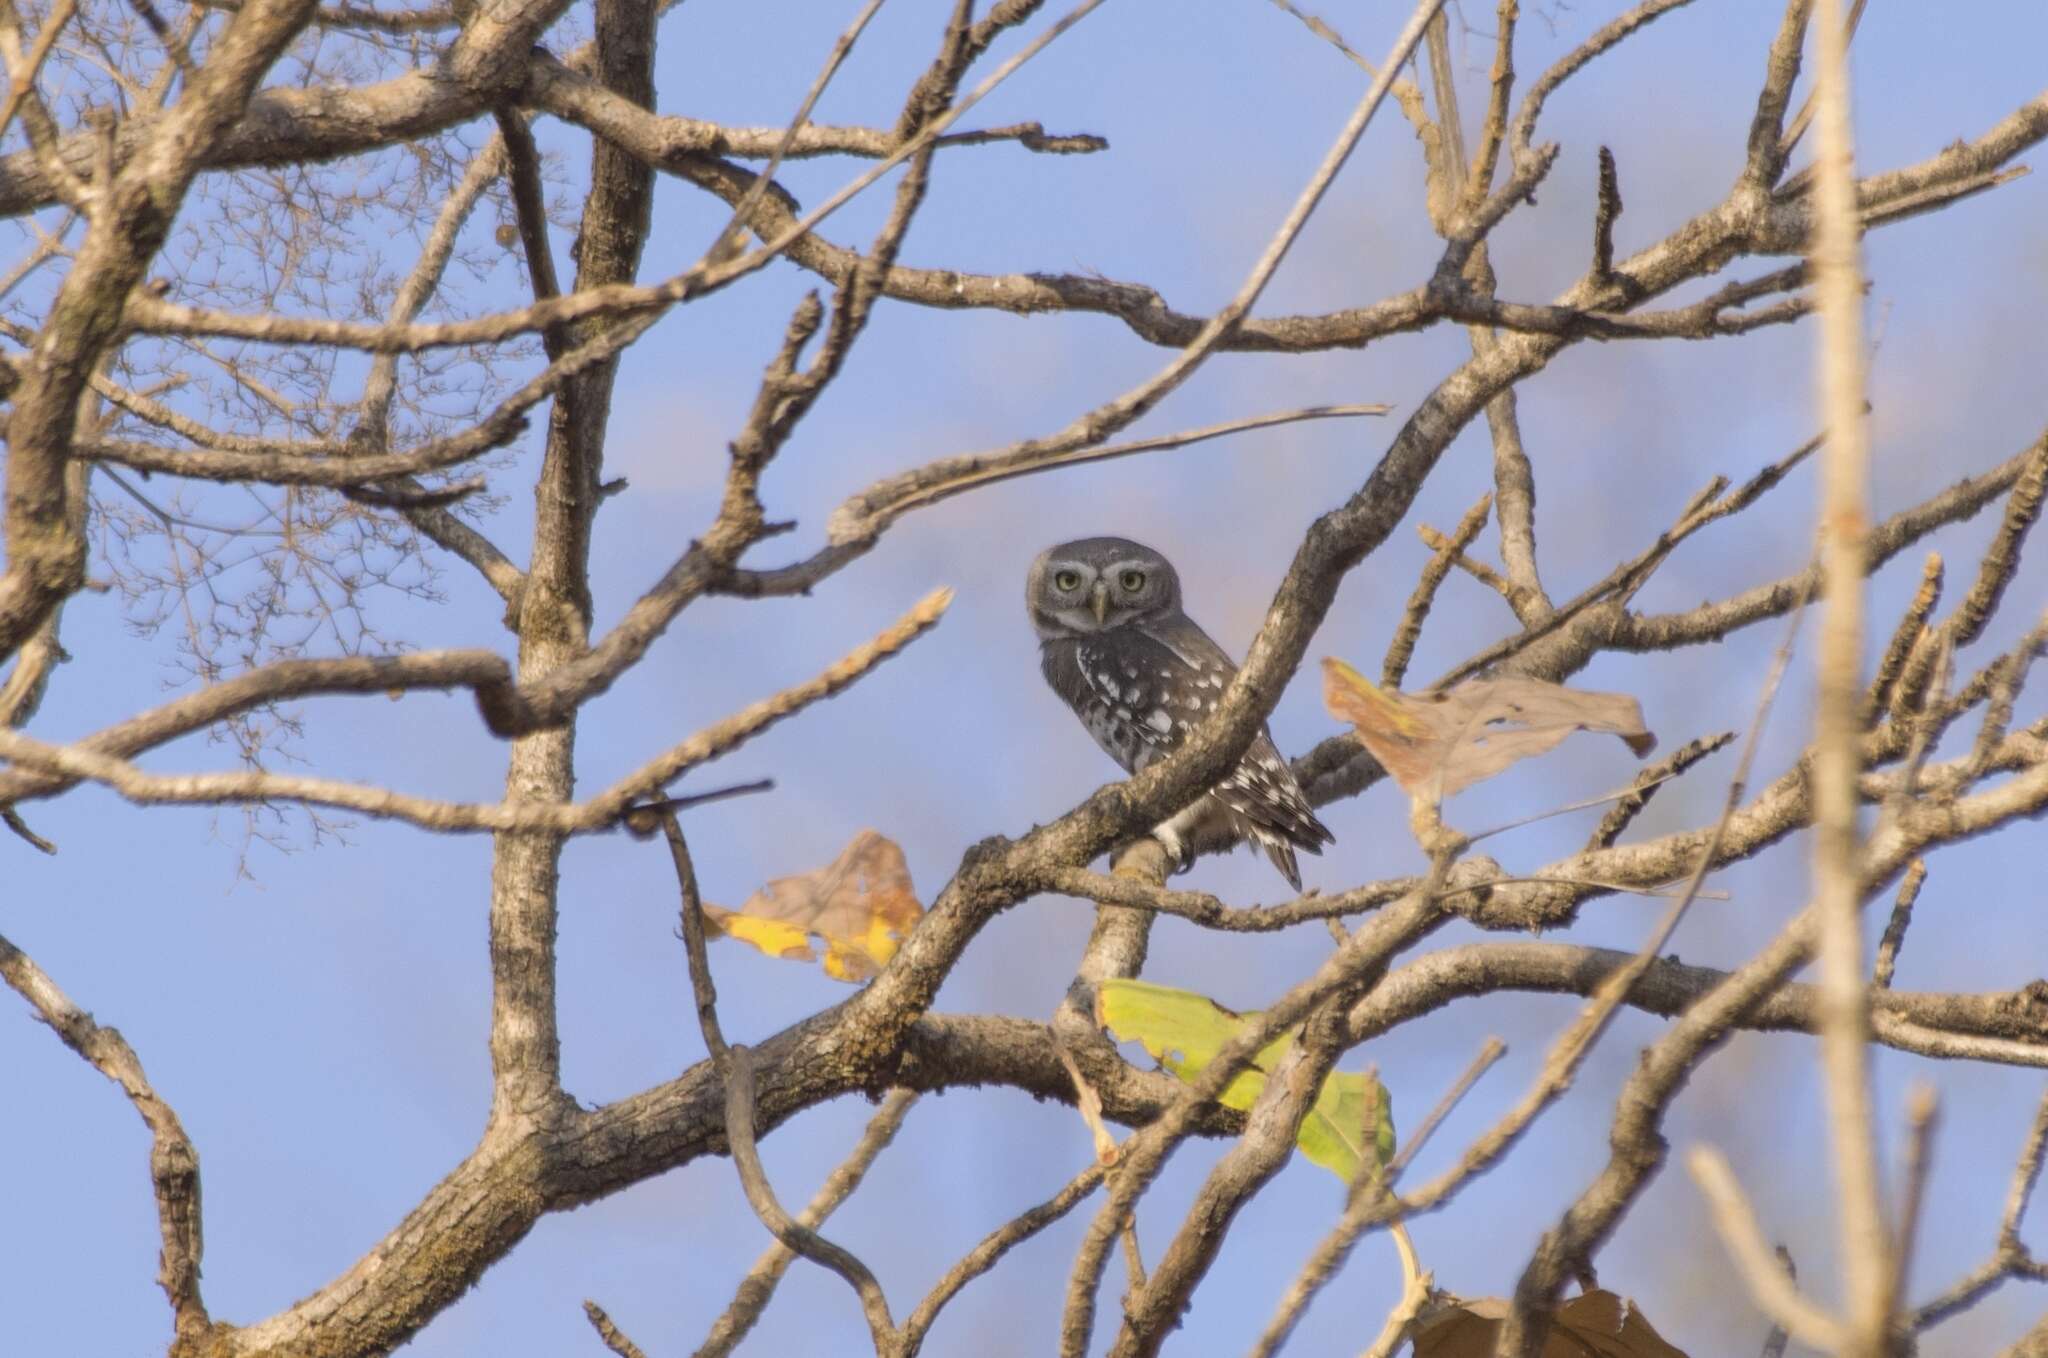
x,y
1141,675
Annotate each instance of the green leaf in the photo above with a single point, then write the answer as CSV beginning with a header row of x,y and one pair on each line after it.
x,y
1184,1031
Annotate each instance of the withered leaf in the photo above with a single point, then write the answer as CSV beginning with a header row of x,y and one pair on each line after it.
x,y
1436,744
1597,1324
861,907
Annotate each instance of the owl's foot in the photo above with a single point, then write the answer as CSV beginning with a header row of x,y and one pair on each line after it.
x,y
1178,858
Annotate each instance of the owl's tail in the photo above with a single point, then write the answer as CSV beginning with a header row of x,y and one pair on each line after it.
x,y
1281,854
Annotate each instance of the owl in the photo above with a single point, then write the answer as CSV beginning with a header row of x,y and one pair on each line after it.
x,y
1141,675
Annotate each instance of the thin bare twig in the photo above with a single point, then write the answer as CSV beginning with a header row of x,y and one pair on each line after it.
x,y
46,769
1363,1203
1545,1272
173,1163
612,1336
1769,1283
22,72
1922,1110
1607,209
990,1251
2009,1257
1895,927
736,1068
1402,648
1775,1341
755,1291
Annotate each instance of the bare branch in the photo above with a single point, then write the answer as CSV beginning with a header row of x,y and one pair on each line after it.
x,y
1364,1198
47,769
1895,927
173,1163
736,1071
1769,1284
614,1338
1399,650
757,1289
992,1248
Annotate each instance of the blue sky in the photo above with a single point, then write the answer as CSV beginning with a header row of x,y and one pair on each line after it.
x,y
321,1030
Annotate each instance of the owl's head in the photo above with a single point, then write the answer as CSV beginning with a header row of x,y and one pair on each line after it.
x,y
1096,585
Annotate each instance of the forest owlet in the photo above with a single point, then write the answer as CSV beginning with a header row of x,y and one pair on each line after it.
x,y
1140,675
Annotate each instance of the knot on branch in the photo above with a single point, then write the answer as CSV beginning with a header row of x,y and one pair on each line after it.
x,y
2027,1007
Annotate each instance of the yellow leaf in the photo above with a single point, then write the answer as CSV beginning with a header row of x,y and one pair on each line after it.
x,y
771,936
1184,1031
861,906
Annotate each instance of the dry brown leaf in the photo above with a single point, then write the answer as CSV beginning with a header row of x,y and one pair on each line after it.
x,y
861,907
1436,744
1597,1324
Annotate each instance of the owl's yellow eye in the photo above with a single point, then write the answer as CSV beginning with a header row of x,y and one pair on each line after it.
x,y
1134,581
1067,580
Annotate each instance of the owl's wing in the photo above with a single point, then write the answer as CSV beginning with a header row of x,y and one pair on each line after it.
x,y
1140,690
1262,788
1136,695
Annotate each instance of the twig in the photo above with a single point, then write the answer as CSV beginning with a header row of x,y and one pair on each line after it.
x,y
736,1068
1775,1341
1624,580
1623,795
13,821
1928,1024
1544,1273
1796,129
1922,1111
2009,1258
1888,538
723,737
1472,566
992,1248
865,514
732,235
2026,1173
404,494
746,1158
21,76
1895,927
644,820
621,299
1089,1104
614,1338
1145,1152
758,1287
1768,1282
1134,1264
1645,786
173,1163
373,423
1907,635
2002,557
1399,651
1606,210
2012,670
1361,1207
51,768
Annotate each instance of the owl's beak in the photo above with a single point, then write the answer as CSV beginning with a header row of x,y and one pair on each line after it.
x,y
1098,603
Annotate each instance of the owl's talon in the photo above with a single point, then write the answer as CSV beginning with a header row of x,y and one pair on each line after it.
x,y
1178,858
